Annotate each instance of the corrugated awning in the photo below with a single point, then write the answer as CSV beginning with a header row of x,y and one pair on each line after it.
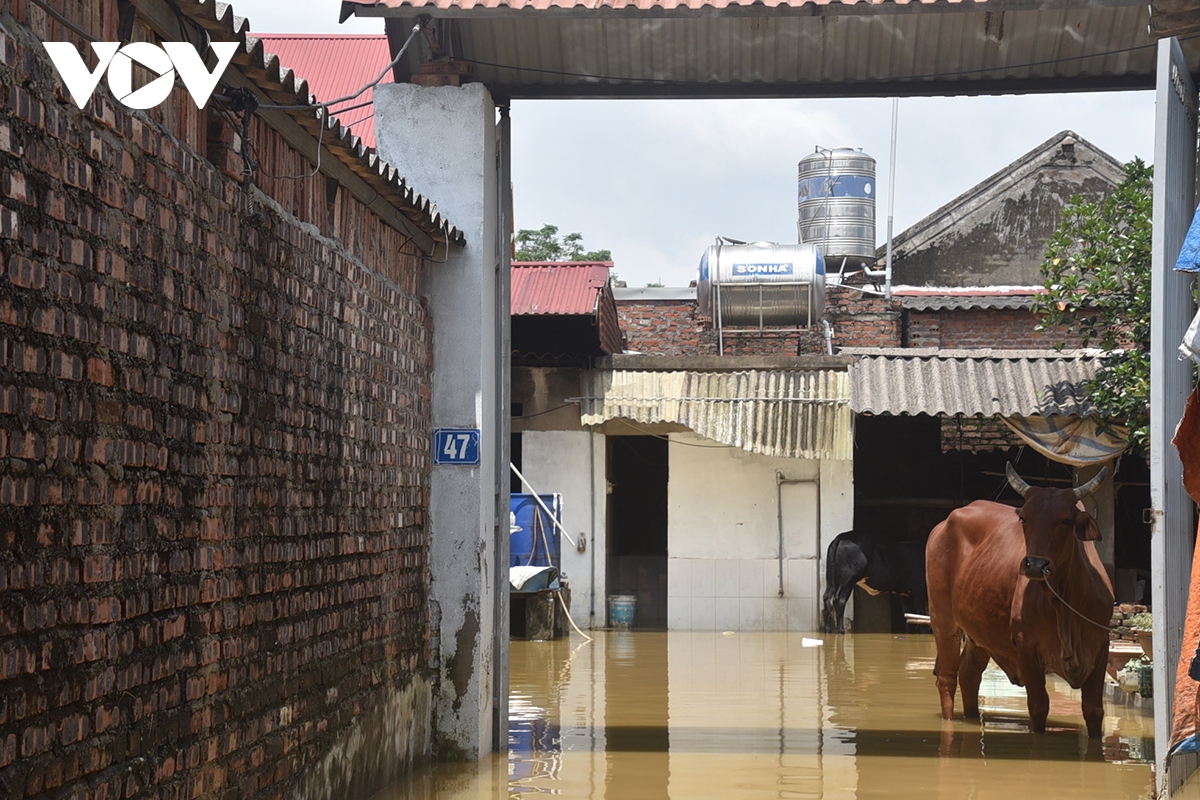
x,y
973,383
781,413
787,48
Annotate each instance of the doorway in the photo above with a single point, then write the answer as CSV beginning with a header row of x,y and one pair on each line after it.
x,y
637,525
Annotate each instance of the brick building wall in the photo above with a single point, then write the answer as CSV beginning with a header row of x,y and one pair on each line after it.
x,y
214,472
675,327
662,327
862,320
968,329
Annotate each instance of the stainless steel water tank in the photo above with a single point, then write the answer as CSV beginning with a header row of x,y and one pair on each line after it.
x,y
836,208
762,284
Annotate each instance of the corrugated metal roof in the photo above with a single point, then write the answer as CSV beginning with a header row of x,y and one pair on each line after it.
x,y
568,289
280,85
792,48
337,65
557,287
972,385
786,414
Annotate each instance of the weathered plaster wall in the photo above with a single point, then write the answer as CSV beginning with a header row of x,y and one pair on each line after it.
x,y
214,469
558,461
443,139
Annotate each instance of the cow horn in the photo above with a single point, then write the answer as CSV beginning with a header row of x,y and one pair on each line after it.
x,y
1092,485
1016,481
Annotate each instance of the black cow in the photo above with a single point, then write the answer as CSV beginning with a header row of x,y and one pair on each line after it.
x,y
876,563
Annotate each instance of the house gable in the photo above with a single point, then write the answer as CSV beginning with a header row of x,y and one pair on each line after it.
x,y
996,233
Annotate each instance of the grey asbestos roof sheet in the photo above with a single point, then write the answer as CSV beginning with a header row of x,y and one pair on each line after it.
x,y
958,303
1033,384
778,413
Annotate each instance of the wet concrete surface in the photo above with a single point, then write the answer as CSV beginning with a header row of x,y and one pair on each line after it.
x,y
758,715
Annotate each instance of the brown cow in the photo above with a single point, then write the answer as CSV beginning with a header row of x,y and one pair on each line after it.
x,y
1028,589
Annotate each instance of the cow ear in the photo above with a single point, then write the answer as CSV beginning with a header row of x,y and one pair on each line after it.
x,y
1086,528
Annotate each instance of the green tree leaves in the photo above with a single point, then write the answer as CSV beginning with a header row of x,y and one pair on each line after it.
x,y
545,245
1097,279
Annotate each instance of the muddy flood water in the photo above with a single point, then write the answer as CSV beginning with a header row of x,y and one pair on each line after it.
x,y
759,715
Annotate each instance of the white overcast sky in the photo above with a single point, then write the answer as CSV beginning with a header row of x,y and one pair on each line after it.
x,y
656,181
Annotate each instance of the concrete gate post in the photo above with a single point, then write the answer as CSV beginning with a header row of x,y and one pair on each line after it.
x,y
443,141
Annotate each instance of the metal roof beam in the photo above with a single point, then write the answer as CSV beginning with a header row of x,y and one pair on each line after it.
x,y
797,91
518,9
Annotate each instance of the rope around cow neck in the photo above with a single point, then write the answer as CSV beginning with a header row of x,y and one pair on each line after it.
x,y
1050,586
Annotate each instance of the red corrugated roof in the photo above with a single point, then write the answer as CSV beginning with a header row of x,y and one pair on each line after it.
x,y
562,287
336,65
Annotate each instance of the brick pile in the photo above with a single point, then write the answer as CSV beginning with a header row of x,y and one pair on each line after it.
x,y
214,426
1127,620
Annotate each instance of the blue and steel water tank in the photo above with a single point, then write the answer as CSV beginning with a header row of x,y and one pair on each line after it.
x,y
762,284
836,208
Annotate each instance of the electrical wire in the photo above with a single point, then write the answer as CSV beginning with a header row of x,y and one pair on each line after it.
x,y
673,441
324,119
547,411
355,122
400,54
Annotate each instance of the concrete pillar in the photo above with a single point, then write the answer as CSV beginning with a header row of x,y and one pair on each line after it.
x,y
443,141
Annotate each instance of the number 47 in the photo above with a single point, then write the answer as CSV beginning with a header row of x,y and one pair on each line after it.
x,y
453,451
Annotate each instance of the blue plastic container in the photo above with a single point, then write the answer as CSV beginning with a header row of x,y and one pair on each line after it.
x,y
622,608
529,548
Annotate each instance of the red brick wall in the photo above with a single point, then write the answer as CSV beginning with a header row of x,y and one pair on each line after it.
x,y
862,320
768,342
213,451
858,320
662,327
974,328
674,327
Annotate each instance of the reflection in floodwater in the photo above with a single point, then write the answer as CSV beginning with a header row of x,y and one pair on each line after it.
x,y
757,715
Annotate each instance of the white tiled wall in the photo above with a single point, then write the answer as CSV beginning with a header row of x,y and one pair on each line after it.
x,y
723,537
707,594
